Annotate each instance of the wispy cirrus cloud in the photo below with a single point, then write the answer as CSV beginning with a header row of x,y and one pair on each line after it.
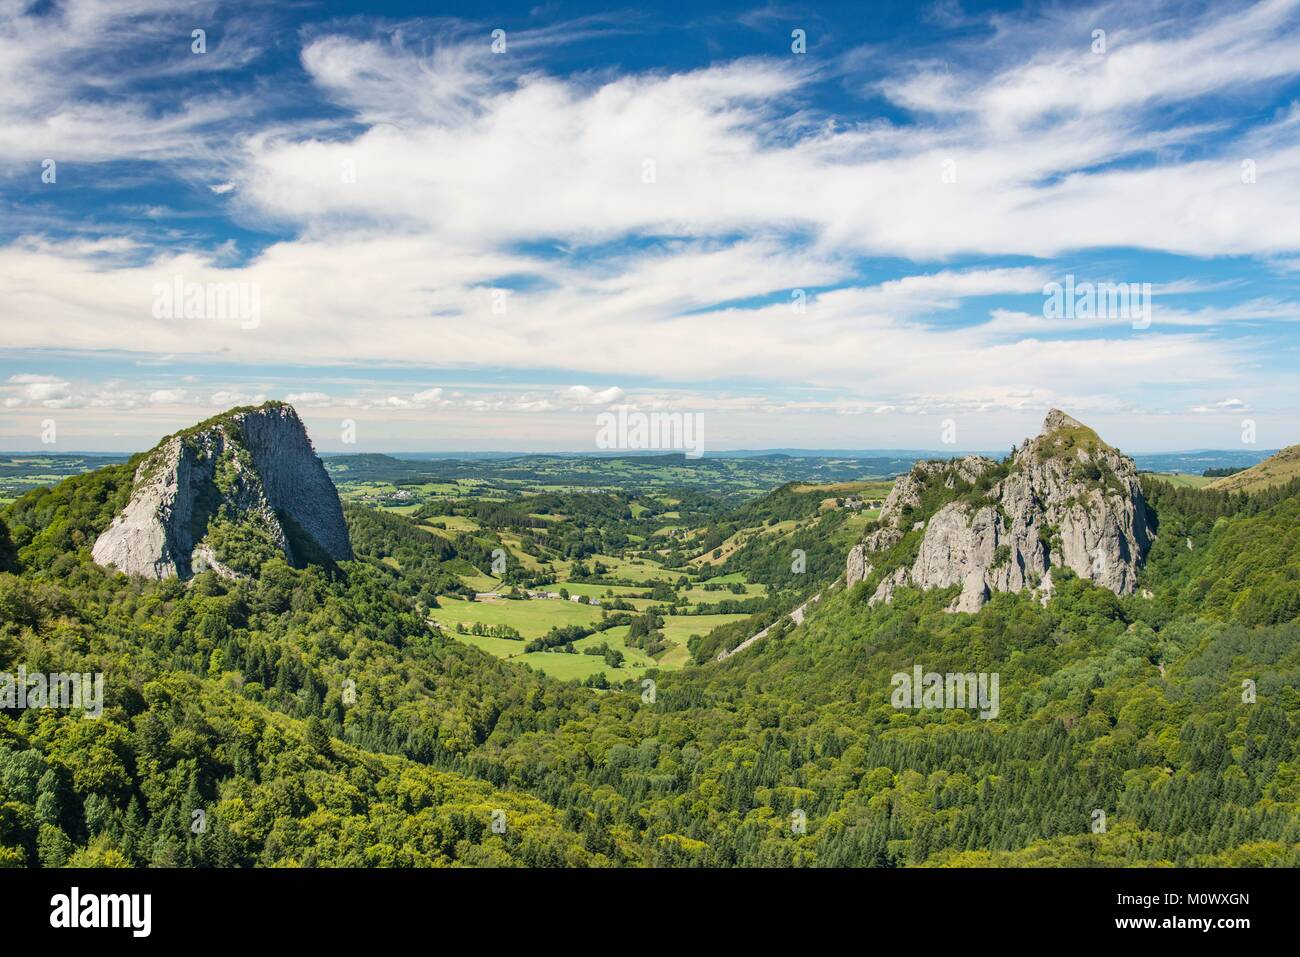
x,y
94,81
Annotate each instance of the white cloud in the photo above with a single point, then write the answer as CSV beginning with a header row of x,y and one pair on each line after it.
x,y
462,165
46,391
483,156
73,84
428,397
1225,406
644,319
585,395
30,378
309,399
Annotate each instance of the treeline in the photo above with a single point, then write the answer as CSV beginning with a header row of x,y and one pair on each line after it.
x,y
1208,503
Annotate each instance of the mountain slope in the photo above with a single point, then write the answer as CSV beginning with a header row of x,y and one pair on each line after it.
x,y
1278,469
227,494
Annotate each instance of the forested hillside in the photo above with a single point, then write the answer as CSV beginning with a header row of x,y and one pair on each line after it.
x,y
316,718
228,698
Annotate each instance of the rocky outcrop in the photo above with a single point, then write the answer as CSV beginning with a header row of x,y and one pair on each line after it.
x,y
1065,498
859,569
244,483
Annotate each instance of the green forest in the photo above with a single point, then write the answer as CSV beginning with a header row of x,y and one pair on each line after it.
x,y
312,716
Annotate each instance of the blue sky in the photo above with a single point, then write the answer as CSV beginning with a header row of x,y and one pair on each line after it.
x,y
667,207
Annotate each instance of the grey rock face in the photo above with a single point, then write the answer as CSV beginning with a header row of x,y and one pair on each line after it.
x,y
885,590
295,481
858,568
255,464
883,539
1067,499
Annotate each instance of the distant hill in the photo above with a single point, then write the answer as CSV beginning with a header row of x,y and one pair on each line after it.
x,y
1275,470
1196,461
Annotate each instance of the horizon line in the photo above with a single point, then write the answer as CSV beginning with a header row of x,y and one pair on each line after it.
x,y
658,453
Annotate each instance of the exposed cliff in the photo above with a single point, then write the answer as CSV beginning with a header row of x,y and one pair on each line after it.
x,y
1065,498
227,494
